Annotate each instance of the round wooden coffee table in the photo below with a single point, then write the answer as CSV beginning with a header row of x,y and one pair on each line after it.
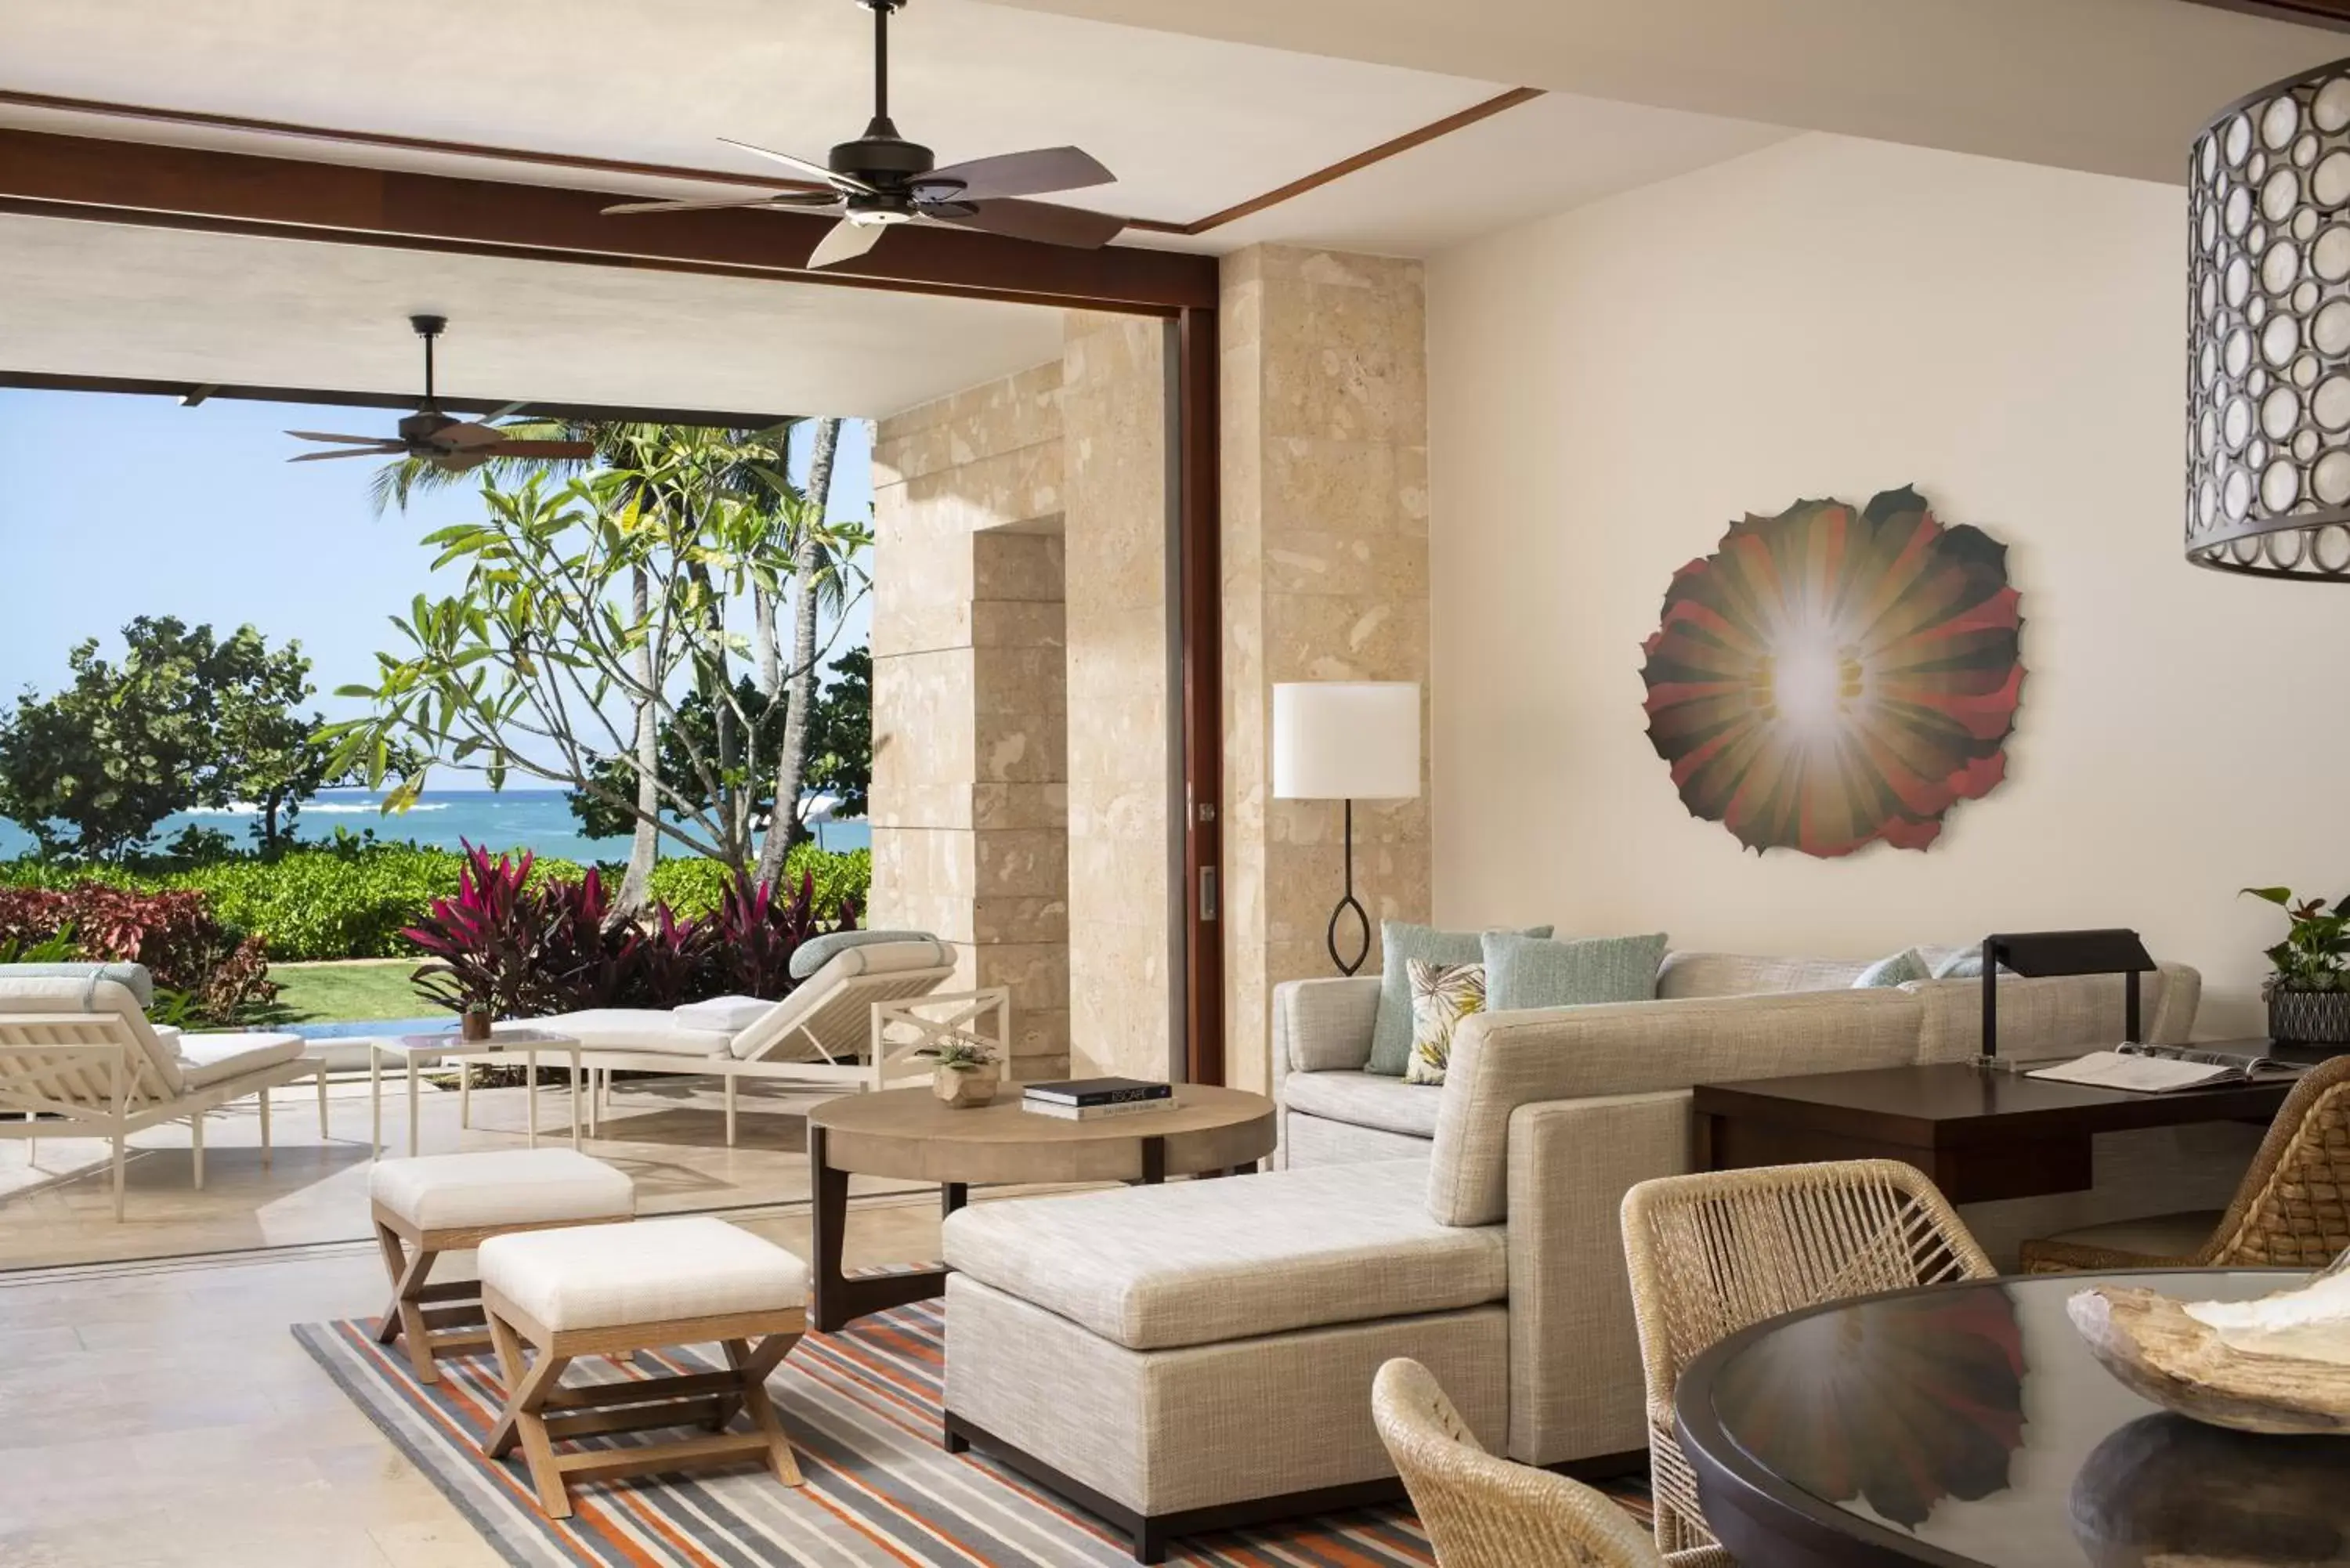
x,y
911,1134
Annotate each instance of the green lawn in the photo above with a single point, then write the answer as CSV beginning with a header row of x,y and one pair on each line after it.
x,y
337,992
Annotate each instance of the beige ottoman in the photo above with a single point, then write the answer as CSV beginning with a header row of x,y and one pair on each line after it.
x,y
449,1202
615,1289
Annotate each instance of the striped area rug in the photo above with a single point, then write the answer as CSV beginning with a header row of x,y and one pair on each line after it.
x,y
863,1410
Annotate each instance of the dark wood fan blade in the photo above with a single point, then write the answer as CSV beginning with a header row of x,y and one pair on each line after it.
x,y
467,437
695,206
816,172
1033,173
1046,221
387,448
575,449
349,440
846,241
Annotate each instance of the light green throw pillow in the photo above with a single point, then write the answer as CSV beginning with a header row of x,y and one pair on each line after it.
x,y
1529,971
1902,968
1400,943
1441,996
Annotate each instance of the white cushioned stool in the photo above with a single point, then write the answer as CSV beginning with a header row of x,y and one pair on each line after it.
x,y
440,1203
614,1290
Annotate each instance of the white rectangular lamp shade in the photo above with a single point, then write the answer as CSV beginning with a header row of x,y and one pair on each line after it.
x,y
1345,740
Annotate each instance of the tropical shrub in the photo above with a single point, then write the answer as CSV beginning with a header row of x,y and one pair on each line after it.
x,y
525,949
222,972
354,899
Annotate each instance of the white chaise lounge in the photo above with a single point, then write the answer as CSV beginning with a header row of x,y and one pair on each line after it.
x,y
79,1048
852,1025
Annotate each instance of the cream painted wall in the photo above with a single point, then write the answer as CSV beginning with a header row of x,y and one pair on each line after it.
x,y
1610,388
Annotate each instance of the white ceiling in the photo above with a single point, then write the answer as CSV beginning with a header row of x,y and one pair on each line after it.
x,y
101,299
2115,86
1190,126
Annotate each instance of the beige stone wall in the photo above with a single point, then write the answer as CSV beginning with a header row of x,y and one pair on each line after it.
x,y
970,801
1325,455
1114,415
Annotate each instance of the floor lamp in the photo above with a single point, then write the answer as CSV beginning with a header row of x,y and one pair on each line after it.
x,y
1350,741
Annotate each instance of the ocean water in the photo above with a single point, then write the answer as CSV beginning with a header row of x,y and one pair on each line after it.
x,y
533,819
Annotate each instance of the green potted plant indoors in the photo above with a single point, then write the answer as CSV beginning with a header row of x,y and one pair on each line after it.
x,y
963,1073
2308,991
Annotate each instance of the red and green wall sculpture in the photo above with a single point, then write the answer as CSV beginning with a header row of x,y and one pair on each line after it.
x,y
1829,678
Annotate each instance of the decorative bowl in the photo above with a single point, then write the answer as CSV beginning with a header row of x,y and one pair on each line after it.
x,y
2277,1364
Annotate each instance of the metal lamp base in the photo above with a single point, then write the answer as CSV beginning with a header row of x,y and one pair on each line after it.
x,y
1338,916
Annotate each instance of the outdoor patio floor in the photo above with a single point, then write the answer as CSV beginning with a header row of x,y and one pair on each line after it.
x,y
161,1413
669,1135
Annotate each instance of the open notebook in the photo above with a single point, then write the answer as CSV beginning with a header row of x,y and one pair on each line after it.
x,y
2157,1069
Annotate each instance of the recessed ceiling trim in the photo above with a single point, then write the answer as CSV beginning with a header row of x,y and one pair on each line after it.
x,y
1364,159
192,393
144,183
100,109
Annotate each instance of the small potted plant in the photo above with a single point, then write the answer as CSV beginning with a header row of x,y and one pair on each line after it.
x,y
2308,993
475,1026
963,1073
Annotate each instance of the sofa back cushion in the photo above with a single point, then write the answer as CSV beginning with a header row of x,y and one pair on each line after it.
x,y
1505,1060
1400,943
1685,975
2049,1016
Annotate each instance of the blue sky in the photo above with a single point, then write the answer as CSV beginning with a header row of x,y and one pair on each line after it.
x,y
114,507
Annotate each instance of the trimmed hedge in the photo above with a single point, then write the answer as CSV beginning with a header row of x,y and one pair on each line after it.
x,y
345,904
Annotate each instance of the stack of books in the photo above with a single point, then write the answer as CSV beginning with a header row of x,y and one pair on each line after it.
x,y
1083,1099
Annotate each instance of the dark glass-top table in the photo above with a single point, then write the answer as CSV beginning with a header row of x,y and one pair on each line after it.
x,y
1967,1426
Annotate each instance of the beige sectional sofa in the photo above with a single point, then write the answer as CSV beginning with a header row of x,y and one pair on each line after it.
x,y
1194,1355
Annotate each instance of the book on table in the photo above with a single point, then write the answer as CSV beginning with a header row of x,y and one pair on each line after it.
x,y
1091,1092
1094,1113
2160,1069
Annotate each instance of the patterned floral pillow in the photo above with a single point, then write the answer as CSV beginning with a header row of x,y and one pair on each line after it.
x,y
1442,995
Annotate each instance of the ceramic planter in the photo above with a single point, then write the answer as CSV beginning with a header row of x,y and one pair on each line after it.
x,y
964,1090
2308,1017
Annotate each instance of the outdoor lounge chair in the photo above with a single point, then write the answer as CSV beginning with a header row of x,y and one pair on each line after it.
x,y
855,1024
77,1047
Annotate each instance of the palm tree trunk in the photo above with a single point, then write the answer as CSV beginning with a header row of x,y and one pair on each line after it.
x,y
636,887
782,824
763,631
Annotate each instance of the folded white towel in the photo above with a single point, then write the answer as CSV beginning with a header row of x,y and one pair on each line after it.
x,y
726,1014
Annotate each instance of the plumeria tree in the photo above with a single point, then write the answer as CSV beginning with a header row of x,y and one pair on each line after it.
x,y
593,612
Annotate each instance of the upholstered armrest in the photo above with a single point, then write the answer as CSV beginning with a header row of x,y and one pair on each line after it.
x,y
1322,1025
1501,1060
1571,1162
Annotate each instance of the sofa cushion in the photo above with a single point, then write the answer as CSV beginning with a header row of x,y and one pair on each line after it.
x,y
1400,943
1366,1100
1204,1263
1523,972
1684,975
1900,968
208,1059
1442,995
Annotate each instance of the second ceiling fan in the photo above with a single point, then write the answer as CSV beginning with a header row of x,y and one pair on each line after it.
x,y
881,180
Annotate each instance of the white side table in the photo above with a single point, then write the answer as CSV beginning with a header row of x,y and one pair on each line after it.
x,y
505,1040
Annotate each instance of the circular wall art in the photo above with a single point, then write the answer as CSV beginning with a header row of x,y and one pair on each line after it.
x,y
1828,678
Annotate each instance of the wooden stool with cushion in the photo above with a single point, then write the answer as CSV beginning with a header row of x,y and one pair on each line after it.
x,y
615,1289
2292,1211
438,1203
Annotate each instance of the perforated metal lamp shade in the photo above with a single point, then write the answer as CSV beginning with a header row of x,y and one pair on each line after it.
x,y
1346,740
2268,416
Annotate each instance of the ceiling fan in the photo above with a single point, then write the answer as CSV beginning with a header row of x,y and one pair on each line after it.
x,y
881,179
453,444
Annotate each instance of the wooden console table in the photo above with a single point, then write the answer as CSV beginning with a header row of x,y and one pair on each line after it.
x,y
1981,1134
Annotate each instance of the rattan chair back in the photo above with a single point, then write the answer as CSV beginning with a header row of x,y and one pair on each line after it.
x,y
1712,1253
2293,1209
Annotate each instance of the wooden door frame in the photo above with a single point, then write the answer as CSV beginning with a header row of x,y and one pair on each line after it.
x,y
147,186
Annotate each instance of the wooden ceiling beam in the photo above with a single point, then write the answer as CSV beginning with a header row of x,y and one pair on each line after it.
x,y
141,183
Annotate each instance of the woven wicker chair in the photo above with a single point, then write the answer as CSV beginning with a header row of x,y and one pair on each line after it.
x,y
2292,1209
1484,1512
1712,1253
